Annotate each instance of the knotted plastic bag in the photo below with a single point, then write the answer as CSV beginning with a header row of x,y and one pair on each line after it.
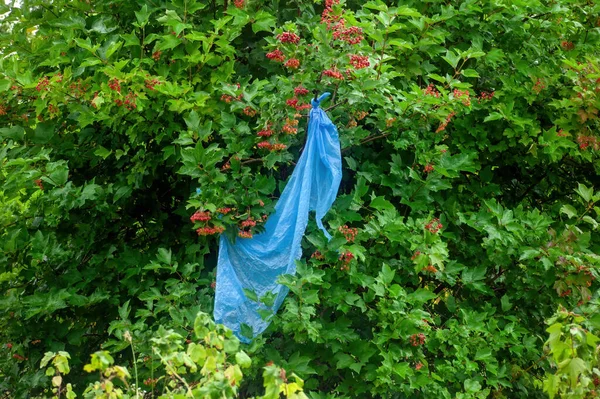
x,y
247,293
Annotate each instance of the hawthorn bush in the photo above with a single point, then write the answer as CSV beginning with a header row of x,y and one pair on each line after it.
x,y
135,132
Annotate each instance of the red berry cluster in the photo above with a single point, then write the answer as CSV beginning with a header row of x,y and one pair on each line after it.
x,y
328,17
292,102
566,45
3,109
588,141
43,84
348,232
276,55
19,357
360,115
434,226
251,112
248,223
52,109
129,103
333,73
114,84
200,217
565,293
209,231
359,61
428,168
346,258
466,99
417,253
560,133
430,269
93,101
289,128
288,37
226,166
244,234
417,339
278,147
238,3
300,91
292,63
150,381
266,132
538,86
432,91
9,345
224,211
445,123
271,147
484,95
204,217
59,77
150,83
156,55
317,255
246,226
418,366
38,182
78,89
302,107
351,35
227,98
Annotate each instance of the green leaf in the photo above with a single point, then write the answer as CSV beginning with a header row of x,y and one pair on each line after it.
x,y
493,116
472,386
483,354
380,203
243,360
122,192
505,303
192,121
164,255
143,15
452,58
15,132
387,274
263,22
4,84
470,73
585,192
102,152
569,211
573,368
420,296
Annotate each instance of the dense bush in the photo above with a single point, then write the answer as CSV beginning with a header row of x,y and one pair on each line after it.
x,y
466,218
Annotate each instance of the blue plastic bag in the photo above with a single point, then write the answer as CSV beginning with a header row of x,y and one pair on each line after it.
x,y
255,264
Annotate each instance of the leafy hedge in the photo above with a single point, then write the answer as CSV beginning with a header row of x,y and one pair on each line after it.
x,y
466,218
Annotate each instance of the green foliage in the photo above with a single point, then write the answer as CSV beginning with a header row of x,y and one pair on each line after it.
x,y
573,346
468,212
202,370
